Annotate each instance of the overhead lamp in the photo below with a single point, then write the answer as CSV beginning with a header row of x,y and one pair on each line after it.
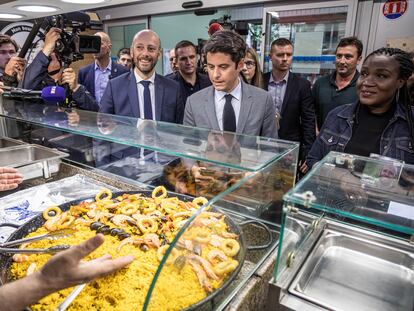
x,y
37,8
84,1
11,16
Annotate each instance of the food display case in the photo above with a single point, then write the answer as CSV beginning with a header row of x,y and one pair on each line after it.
x,y
221,195
347,238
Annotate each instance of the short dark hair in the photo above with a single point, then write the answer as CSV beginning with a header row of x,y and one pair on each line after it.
x,y
227,42
351,41
184,44
123,51
5,39
281,42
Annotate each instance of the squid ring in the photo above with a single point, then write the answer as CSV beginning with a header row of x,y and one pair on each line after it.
x,y
147,225
106,191
65,222
55,209
129,209
200,201
230,247
202,236
225,267
148,207
173,255
159,189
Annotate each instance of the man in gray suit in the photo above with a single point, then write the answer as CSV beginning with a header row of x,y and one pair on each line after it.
x,y
230,104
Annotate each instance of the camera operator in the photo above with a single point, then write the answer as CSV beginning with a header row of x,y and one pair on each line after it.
x,y
11,66
46,70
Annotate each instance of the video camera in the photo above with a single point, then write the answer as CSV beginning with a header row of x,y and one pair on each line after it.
x,y
71,46
241,27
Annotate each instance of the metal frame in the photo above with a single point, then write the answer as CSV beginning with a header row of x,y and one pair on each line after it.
x,y
298,5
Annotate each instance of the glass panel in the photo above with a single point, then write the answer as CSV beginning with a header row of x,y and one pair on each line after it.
x,y
234,151
375,192
315,34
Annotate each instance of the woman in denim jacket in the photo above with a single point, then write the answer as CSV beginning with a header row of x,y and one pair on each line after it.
x,y
381,121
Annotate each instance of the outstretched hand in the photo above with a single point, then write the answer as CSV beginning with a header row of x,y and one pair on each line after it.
x,y
10,178
67,269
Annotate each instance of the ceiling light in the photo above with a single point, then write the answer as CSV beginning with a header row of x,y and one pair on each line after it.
x,y
11,16
84,1
37,8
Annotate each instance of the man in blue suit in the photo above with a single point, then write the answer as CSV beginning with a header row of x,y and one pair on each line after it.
x,y
95,76
141,93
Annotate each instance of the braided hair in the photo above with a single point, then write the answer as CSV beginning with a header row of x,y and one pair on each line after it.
x,y
405,70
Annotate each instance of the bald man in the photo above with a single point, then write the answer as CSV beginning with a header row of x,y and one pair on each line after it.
x,y
95,76
142,93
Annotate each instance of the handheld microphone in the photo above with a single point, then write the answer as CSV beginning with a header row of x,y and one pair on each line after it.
x,y
37,24
214,27
54,94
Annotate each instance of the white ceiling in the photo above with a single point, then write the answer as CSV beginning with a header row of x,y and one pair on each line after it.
x,y
7,6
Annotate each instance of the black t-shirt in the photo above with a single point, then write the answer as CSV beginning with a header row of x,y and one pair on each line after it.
x,y
367,130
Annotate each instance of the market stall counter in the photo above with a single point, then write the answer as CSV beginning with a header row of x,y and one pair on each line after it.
x,y
201,213
347,238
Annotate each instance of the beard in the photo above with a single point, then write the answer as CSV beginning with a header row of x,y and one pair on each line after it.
x,y
145,68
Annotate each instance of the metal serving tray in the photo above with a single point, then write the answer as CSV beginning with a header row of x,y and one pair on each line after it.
x,y
348,273
6,142
32,161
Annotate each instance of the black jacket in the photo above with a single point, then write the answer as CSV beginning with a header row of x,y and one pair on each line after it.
x,y
297,121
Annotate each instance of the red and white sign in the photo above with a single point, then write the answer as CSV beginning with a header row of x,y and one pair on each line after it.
x,y
393,9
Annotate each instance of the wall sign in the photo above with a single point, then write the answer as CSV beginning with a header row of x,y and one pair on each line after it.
x,y
19,31
393,9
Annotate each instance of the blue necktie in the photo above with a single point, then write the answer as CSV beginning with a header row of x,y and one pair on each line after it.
x,y
229,117
147,100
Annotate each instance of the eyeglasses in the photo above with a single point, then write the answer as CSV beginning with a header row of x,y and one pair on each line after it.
x,y
9,52
249,64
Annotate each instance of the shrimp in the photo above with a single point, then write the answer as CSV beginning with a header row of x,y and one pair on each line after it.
x,y
216,240
130,240
151,239
206,266
215,256
187,244
228,235
120,220
20,258
202,277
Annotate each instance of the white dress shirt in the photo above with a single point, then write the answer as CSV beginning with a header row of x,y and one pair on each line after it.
x,y
140,89
220,101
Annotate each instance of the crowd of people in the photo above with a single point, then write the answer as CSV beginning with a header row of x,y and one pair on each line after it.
x,y
361,113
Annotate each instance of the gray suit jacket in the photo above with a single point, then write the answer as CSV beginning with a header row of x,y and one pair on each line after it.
x,y
257,112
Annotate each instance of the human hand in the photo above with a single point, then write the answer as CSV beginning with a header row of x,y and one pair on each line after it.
x,y
73,118
9,178
50,40
1,90
69,77
67,269
303,167
15,67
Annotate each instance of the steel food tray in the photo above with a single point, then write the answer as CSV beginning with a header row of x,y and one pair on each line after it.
x,y
32,161
6,142
348,273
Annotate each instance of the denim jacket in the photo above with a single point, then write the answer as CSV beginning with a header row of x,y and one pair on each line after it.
x,y
337,131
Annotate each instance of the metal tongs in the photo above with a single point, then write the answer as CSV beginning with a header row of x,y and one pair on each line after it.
x,y
7,247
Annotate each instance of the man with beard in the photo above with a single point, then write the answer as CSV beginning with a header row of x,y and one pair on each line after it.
x,y
189,79
339,87
292,98
141,93
95,76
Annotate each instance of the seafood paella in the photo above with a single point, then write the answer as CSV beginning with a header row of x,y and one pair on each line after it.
x,y
202,260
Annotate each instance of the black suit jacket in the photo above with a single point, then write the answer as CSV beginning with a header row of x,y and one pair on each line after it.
x,y
297,121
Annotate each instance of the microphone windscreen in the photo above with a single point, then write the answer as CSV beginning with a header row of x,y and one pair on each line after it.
x,y
80,17
214,27
54,94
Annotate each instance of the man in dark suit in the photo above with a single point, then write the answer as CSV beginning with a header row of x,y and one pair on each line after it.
x,y
292,97
95,76
187,76
141,93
